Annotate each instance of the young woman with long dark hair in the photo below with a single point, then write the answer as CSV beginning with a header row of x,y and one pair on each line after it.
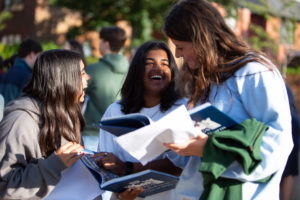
x,y
40,131
149,88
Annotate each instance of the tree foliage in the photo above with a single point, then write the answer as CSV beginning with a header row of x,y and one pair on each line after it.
x,y
145,16
4,15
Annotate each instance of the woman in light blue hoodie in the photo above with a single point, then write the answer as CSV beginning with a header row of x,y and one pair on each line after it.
x,y
243,83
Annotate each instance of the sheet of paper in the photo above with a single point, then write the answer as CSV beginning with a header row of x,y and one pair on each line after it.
x,y
146,143
76,182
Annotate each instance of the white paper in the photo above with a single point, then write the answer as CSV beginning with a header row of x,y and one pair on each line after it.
x,y
146,143
76,183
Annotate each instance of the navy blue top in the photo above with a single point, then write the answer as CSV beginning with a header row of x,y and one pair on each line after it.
x,y
15,79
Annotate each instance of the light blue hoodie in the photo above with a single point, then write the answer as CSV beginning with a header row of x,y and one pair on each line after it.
x,y
253,92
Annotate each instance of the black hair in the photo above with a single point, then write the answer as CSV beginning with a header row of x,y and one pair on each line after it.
x,y
132,91
27,46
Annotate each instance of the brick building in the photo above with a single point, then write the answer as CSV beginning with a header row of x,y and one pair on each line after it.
x,y
39,20
282,25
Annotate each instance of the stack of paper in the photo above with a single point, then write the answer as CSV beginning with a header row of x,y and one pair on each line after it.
x,y
146,143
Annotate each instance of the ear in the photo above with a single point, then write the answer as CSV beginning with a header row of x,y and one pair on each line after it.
x,y
107,46
30,58
31,55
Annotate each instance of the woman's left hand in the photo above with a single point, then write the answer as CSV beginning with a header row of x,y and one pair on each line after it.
x,y
192,147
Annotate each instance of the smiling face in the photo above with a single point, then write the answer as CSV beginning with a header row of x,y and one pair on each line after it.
x,y
84,81
157,75
186,51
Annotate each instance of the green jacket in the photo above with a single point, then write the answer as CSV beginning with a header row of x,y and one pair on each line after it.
x,y
106,79
242,144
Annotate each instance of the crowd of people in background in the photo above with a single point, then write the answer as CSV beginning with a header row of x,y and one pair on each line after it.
x,y
107,76
51,102
19,74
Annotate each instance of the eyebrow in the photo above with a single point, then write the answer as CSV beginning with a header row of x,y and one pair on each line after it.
x,y
161,59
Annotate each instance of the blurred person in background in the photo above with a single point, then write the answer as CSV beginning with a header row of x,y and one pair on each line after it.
x,y
9,62
107,77
292,166
17,76
74,45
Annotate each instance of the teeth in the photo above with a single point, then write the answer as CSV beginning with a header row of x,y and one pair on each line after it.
x,y
156,77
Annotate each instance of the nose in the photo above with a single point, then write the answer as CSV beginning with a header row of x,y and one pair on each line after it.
x,y
88,77
157,66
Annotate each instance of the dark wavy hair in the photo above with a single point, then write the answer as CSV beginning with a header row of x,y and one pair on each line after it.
x,y
132,91
220,52
56,83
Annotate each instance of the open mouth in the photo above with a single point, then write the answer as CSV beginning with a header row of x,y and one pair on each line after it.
x,y
83,91
156,77
84,88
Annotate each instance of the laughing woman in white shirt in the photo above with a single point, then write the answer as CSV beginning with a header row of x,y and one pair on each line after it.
x,y
149,88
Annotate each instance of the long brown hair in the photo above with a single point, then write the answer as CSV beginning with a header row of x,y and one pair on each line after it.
x,y
220,52
55,84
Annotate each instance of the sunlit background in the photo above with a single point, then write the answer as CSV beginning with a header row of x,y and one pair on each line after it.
x,y
272,26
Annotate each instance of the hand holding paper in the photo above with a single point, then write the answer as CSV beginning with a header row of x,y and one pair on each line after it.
x,y
177,127
146,143
192,147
